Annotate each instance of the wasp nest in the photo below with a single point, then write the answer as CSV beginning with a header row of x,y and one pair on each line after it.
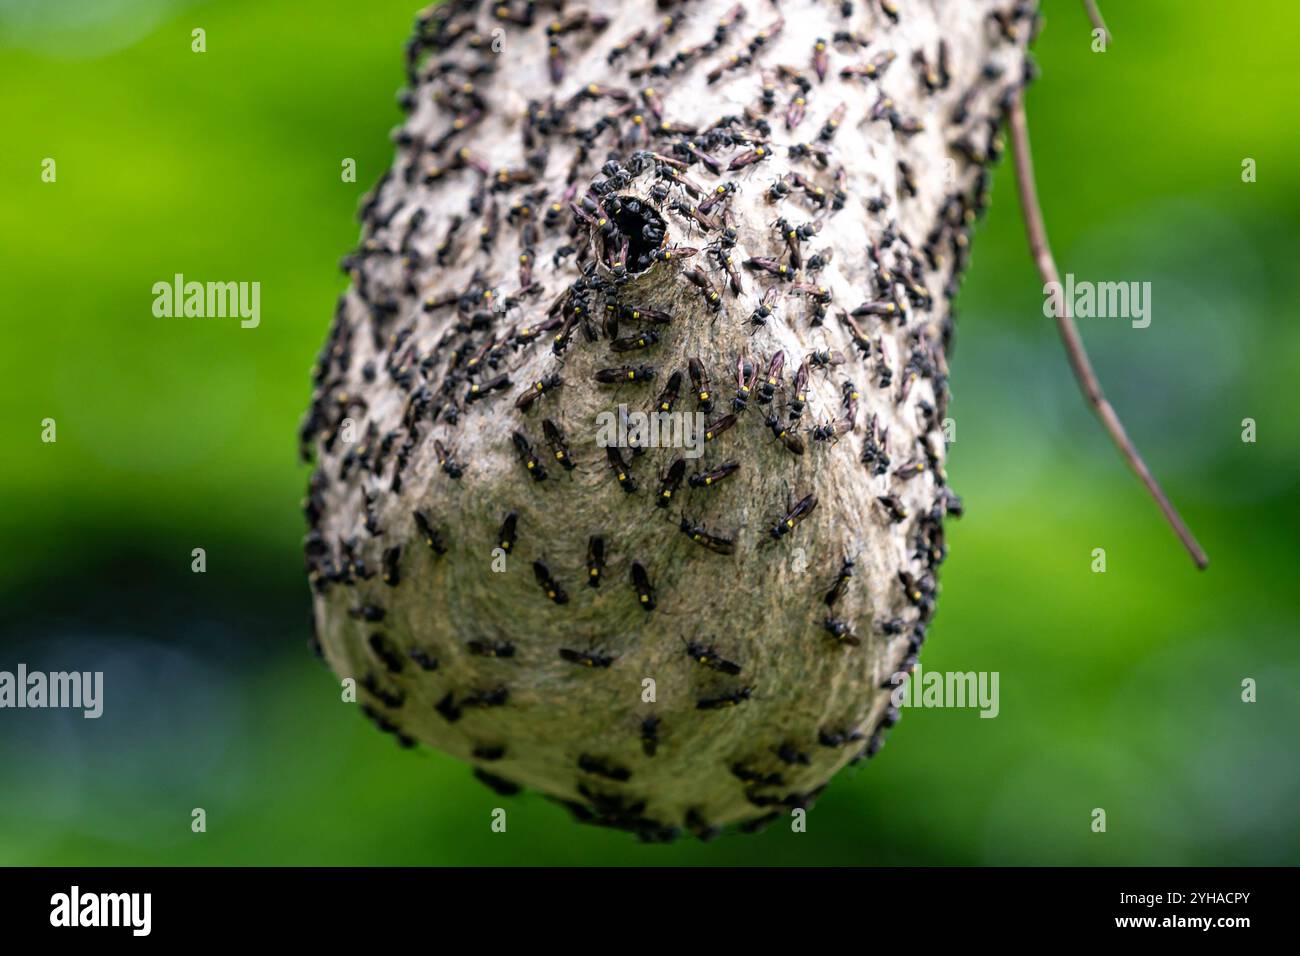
x,y
628,434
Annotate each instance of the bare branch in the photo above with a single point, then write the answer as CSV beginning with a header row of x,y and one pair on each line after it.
x,y
1094,14
1042,253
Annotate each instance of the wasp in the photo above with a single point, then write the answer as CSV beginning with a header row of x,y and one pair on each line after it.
x,y
756,777
834,431
820,59
819,154
650,736
595,560
623,48
795,112
453,469
423,659
496,697
896,510
593,214
746,376
773,267
849,394
767,390
666,399
794,236
721,193
593,659
625,373
677,129
763,312
860,338
1007,25
635,314
873,69
708,479
837,738
886,308
490,648
387,654
800,390
874,451
705,654
842,631
547,583
635,441
841,582
723,701
556,62
820,260
801,510
670,169
673,253
670,483
910,470
816,194
832,125
559,448
915,591
714,429
471,366
447,708
779,189
892,627
724,257
933,77
704,221
594,765
791,440
700,382
755,118
714,543
432,537
952,504
644,589
788,755
749,158
654,103
697,278
446,249
768,93
487,233
906,179
391,561
620,469
352,562
961,112
631,343
509,532
539,388
367,612
526,455
733,62
819,294
697,154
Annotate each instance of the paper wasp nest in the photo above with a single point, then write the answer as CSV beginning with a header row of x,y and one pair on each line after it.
x,y
752,216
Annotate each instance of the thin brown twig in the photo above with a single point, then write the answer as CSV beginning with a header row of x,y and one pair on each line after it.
x,y
1042,253
1094,14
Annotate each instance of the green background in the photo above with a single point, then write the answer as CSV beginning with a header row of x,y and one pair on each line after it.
x,y
1118,690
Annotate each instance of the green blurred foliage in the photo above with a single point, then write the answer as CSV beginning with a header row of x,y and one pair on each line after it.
x,y
1118,690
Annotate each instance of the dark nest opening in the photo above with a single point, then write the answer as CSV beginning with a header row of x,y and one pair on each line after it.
x,y
639,225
